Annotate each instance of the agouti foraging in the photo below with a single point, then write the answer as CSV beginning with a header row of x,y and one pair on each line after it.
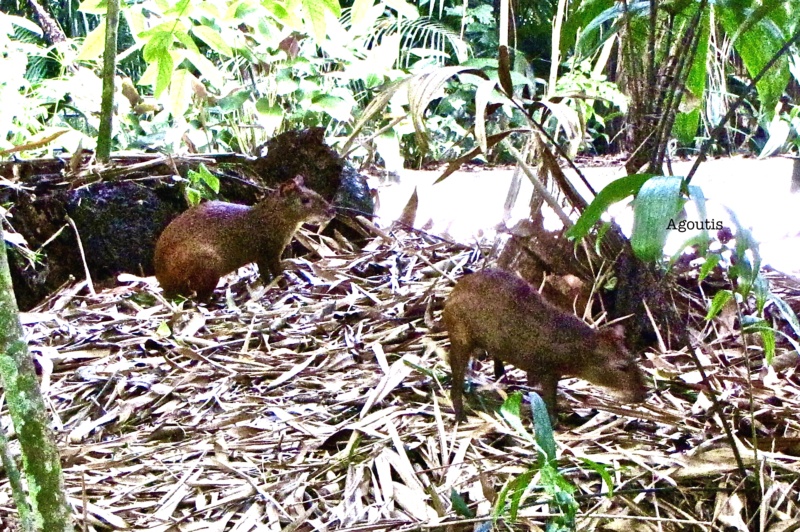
x,y
499,312
215,238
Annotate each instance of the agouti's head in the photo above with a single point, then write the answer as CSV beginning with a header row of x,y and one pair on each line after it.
x,y
302,203
613,366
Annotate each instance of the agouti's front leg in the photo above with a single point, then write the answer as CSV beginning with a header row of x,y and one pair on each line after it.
x,y
546,385
270,268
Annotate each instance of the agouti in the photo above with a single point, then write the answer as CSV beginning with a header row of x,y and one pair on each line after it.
x,y
502,314
215,238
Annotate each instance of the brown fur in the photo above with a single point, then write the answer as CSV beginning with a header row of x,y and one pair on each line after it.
x,y
215,238
498,312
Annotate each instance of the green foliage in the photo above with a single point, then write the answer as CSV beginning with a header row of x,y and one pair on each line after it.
x,y
659,201
616,191
784,131
20,113
228,75
201,184
749,284
460,505
559,490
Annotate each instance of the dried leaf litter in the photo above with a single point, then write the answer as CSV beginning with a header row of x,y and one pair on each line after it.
x,y
327,407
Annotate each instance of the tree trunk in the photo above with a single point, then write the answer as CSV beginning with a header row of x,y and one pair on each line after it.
x,y
40,457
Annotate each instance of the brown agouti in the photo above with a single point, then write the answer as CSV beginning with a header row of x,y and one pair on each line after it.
x,y
499,312
215,238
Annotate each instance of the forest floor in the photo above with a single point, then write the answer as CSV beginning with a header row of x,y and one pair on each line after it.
x,y
327,407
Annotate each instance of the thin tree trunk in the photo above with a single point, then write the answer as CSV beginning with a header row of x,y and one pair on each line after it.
x,y
40,457
109,70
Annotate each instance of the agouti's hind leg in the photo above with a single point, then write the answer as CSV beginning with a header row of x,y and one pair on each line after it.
x,y
460,351
549,383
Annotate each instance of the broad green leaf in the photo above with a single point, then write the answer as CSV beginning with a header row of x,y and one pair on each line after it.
x,y
755,325
213,39
149,76
294,10
193,196
768,339
615,14
544,431
615,191
22,23
315,17
500,502
159,43
270,116
243,10
331,6
658,202
685,126
761,291
520,486
586,12
688,118
601,470
562,493
136,22
93,44
163,330
779,131
712,259
510,410
338,108
234,101
745,270
166,66
758,39
787,313
182,36
180,8
460,505
719,301
208,70
205,176
180,92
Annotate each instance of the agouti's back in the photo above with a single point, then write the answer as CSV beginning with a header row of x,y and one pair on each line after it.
x,y
499,312
215,238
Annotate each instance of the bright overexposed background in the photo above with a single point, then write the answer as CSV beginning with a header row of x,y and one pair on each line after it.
x,y
468,205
